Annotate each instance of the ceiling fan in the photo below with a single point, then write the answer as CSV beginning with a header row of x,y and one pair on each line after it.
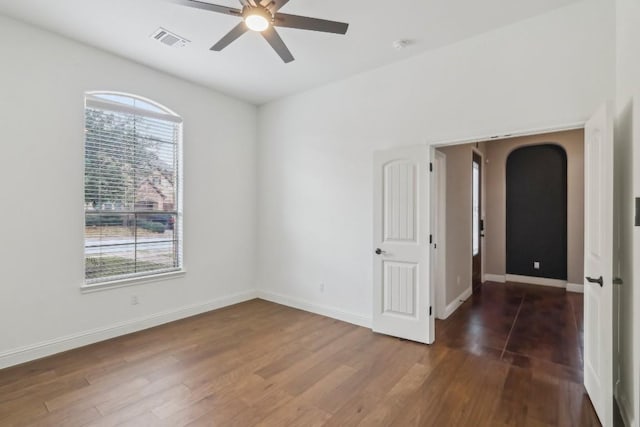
x,y
262,16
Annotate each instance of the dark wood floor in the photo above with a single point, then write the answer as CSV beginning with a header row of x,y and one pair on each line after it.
x,y
509,356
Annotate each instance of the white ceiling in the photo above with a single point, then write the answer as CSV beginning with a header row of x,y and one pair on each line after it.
x,y
249,69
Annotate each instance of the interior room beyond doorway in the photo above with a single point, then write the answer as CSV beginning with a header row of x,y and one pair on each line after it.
x,y
497,224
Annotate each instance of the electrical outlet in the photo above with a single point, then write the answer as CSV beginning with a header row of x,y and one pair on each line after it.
x,y
536,265
134,300
321,287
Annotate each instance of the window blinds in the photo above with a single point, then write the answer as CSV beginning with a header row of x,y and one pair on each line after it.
x,y
131,182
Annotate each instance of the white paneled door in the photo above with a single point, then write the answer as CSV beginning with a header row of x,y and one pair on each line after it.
x,y
598,264
402,297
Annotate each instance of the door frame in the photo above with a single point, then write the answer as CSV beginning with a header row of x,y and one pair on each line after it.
x,y
635,241
439,231
438,291
483,208
433,204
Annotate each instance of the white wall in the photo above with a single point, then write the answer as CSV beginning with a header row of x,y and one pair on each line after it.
x,y
43,79
315,148
627,158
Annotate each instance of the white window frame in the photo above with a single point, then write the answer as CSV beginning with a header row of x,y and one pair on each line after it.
x,y
94,100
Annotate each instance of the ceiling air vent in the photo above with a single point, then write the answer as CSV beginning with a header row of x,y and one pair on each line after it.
x,y
169,38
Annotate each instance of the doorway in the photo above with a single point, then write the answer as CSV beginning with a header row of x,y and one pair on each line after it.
x,y
514,213
476,221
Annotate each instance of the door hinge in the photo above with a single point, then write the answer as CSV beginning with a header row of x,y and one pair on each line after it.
x,y
430,238
430,166
430,310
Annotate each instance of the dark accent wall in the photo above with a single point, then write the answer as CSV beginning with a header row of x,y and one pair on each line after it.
x,y
537,211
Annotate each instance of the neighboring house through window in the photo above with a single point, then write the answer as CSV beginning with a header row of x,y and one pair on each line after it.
x,y
131,188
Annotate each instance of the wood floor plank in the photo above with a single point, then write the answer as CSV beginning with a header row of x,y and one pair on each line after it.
x,y
542,402
301,376
425,402
516,391
67,417
127,409
24,413
574,406
91,396
206,385
143,420
294,412
213,410
138,368
328,385
371,381
17,386
484,401
466,386
282,363
188,414
39,393
380,408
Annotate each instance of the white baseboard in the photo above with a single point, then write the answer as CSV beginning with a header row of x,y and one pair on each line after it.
x,y
58,345
573,287
500,278
323,310
531,280
543,281
623,405
457,303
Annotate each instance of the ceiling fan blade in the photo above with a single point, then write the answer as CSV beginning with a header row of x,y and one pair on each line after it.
x,y
236,32
210,7
274,5
272,36
313,24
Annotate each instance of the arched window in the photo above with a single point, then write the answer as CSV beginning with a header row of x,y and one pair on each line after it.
x,y
132,179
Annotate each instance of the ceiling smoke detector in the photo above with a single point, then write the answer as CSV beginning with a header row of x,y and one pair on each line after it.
x,y
168,38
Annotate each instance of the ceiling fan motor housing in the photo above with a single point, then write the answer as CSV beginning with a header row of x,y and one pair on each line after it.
x,y
257,11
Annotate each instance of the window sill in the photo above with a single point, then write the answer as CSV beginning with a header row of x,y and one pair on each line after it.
x,y
122,283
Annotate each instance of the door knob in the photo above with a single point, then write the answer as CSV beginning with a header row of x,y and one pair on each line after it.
x,y
380,251
598,280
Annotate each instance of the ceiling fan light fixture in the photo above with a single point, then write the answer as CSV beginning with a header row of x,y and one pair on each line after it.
x,y
257,19
263,16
